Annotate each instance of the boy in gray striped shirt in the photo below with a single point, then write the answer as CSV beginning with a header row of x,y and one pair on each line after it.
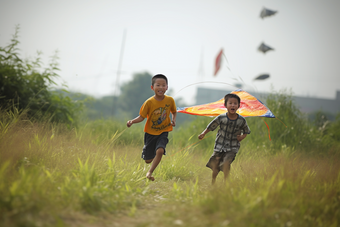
x,y
233,129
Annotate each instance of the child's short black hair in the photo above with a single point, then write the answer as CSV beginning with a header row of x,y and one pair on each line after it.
x,y
158,76
231,95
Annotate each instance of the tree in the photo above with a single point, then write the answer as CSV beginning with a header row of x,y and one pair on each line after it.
x,y
134,93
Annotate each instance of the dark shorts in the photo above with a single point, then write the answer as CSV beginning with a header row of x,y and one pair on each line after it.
x,y
218,159
152,143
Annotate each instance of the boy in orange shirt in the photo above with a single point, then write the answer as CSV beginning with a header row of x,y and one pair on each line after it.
x,y
157,110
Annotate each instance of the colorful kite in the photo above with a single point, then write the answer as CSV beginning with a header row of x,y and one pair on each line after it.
x,y
249,107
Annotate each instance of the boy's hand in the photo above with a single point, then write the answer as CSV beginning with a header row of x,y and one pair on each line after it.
x,y
201,136
241,137
173,123
129,123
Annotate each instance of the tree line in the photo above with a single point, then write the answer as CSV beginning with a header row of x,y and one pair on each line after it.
x,y
27,86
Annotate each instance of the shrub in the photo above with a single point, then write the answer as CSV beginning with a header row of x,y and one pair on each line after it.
x,y
24,84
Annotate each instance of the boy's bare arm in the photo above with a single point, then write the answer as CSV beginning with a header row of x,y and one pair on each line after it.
x,y
136,120
173,121
201,136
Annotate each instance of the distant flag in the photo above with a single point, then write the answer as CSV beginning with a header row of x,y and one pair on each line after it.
x,y
218,62
262,77
267,12
264,48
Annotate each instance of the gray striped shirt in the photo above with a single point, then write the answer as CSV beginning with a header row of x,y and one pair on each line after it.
x,y
226,137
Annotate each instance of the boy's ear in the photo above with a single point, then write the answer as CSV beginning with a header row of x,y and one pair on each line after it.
x,y
151,87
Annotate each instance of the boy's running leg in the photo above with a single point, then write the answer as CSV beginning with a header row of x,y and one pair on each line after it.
x,y
149,175
226,170
155,162
214,175
213,164
228,159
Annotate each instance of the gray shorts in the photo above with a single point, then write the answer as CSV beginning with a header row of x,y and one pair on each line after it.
x,y
217,160
152,143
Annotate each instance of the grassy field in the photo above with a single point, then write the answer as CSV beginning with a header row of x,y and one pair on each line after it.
x,y
93,176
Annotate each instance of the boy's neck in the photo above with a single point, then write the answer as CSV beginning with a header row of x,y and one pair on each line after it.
x,y
159,98
232,116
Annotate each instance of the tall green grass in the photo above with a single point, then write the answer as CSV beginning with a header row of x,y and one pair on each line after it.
x,y
281,190
46,168
93,175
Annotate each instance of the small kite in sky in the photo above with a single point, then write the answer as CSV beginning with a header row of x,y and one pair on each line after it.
x,y
262,77
264,48
249,107
218,62
267,12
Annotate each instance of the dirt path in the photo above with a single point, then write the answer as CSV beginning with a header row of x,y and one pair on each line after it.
x,y
157,208
150,213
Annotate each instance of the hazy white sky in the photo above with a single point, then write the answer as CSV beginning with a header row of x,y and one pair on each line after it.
x,y
181,38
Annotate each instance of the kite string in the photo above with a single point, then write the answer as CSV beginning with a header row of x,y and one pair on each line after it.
x,y
228,66
214,81
267,128
225,58
281,121
202,82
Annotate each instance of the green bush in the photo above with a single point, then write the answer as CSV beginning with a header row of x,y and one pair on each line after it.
x,y
291,129
299,133
24,84
331,137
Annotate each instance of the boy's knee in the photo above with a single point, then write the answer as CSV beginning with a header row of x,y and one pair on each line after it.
x,y
148,161
215,172
160,150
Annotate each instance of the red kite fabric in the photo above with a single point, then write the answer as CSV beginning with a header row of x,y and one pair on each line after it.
x,y
218,62
249,107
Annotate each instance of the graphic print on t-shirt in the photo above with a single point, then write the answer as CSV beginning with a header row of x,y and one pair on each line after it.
x,y
158,116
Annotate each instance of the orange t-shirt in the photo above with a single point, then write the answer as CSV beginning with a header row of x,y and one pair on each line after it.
x,y
158,115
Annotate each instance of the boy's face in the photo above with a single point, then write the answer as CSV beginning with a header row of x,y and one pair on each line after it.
x,y
232,105
159,87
